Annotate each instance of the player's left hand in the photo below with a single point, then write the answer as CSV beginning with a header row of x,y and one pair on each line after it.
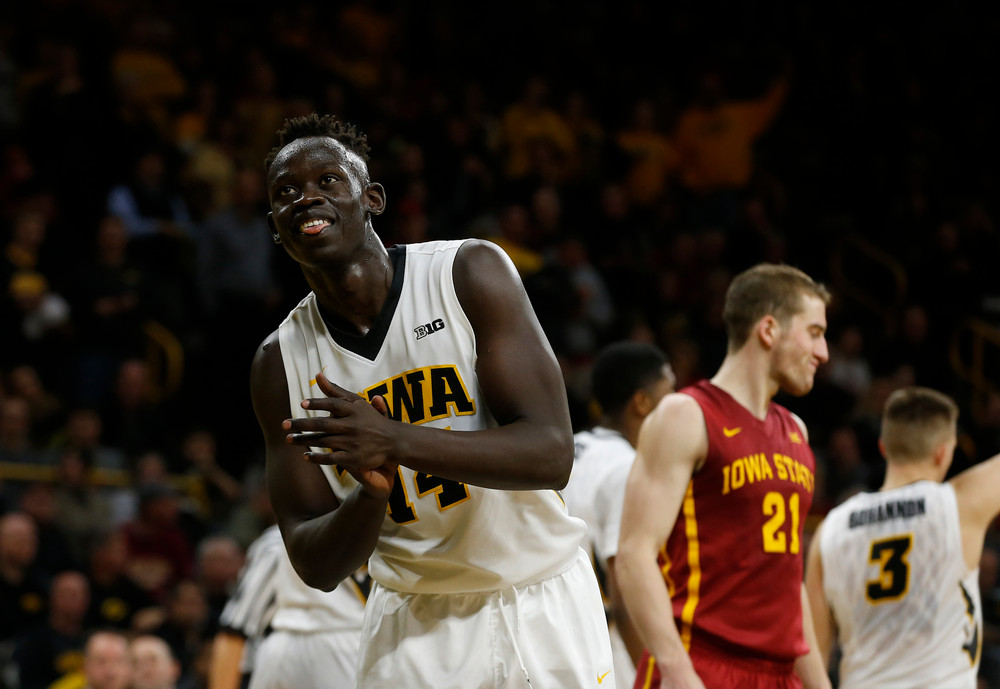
x,y
358,434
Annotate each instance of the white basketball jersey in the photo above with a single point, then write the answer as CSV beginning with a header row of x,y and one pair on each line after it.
x,y
302,608
599,454
253,602
439,536
907,608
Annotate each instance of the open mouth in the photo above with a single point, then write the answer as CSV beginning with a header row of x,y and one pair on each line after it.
x,y
313,227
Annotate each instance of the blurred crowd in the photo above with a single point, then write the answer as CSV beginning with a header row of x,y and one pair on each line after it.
x,y
630,159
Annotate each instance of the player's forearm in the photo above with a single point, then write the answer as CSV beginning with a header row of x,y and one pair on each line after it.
x,y
623,621
224,670
326,550
811,667
648,604
810,670
519,456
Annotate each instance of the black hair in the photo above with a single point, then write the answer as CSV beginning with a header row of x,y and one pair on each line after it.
x,y
620,370
314,124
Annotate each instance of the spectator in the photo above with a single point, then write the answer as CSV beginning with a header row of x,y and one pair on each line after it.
x,y
110,304
161,235
155,666
849,368
116,601
535,141
38,500
83,435
715,137
54,648
159,552
133,419
40,319
214,489
45,407
185,627
146,81
16,443
649,152
218,564
106,662
23,585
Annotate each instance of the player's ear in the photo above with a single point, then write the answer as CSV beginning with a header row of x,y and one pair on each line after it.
x,y
942,454
881,447
642,402
375,197
768,330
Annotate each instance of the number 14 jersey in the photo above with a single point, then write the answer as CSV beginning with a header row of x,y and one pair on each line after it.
x,y
733,563
439,536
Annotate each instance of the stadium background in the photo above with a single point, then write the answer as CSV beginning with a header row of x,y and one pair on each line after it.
x,y
630,157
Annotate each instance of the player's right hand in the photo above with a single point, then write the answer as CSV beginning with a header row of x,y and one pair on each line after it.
x,y
358,435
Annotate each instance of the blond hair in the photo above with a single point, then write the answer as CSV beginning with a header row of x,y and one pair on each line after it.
x,y
766,289
915,421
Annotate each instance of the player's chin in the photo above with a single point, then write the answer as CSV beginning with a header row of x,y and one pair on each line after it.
x,y
798,387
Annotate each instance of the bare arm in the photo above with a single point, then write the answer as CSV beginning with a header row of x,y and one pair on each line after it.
x,y
823,624
672,445
325,540
811,667
626,628
977,490
532,447
224,670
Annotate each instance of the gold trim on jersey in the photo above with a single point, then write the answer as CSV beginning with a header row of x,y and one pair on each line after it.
x,y
694,566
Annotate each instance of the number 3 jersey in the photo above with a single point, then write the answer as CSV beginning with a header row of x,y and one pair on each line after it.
x,y
439,536
733,562
906,606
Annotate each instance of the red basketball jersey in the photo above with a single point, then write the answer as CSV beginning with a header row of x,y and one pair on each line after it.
x,y
733,563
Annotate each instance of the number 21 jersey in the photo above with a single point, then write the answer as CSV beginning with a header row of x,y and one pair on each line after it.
x,y
733,562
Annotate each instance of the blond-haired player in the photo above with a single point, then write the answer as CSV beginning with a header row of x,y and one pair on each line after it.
x,y
892,576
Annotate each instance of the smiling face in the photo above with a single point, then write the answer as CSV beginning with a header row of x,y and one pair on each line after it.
x,y
321,200
800,347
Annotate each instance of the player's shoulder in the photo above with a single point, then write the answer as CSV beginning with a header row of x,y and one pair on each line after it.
x,y
267,357
676,416
678,408
487,282
435,246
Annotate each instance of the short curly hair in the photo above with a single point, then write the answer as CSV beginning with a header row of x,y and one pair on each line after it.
x,y
314,124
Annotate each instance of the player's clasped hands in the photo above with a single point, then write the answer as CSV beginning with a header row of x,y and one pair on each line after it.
x,y
356,433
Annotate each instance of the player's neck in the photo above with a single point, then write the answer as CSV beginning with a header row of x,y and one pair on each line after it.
x,y
746,380
898,475
357,292
626,424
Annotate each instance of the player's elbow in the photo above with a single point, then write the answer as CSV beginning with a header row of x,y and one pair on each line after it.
x,y
314,574
560,464
625,561
314,578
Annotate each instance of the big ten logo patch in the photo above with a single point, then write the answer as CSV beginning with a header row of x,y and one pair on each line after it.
x,y
426,329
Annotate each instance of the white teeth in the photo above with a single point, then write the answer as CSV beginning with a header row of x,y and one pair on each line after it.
x,y
313,223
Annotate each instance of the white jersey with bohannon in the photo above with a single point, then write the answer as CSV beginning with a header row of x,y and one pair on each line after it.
x,y
439,536
906,606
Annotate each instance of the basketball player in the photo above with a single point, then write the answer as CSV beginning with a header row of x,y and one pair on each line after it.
x,y
627,381
709,561
247,614
893,576
414,414
298,636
